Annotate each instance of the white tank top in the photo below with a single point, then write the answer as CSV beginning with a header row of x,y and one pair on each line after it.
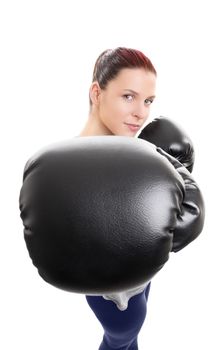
x,y
121,299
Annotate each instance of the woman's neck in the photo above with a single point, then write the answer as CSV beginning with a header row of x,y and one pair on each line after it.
x,y
94,127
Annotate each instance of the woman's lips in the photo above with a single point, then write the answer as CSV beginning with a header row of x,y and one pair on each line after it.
x,y
133,127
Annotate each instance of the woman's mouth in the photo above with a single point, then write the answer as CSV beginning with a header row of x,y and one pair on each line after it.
x,y
133,127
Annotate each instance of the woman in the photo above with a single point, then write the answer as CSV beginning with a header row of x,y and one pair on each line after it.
x,y
121,93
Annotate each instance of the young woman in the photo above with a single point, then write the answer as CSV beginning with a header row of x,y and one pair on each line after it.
x,y
122,91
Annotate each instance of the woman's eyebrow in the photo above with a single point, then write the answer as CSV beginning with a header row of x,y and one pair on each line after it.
x,y
136,93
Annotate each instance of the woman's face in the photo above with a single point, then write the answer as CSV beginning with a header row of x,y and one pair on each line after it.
x,y
124,106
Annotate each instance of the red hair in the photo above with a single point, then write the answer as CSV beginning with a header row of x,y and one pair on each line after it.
x,y
111,62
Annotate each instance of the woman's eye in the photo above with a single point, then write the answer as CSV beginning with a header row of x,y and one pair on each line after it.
x,y
127,97
148,101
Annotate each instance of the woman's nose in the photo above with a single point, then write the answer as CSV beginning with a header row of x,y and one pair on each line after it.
x,y
141,113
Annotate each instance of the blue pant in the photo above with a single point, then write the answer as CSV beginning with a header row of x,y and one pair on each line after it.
x,y
121,328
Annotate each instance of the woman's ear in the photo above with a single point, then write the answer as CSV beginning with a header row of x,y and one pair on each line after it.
x,y
95,92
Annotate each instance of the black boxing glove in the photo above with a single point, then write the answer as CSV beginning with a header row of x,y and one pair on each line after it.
x,y
190,220
164,133
100,212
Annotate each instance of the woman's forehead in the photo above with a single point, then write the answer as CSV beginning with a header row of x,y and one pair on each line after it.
x,y
136,80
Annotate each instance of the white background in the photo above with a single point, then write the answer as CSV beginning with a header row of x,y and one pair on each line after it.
x,y
48,50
